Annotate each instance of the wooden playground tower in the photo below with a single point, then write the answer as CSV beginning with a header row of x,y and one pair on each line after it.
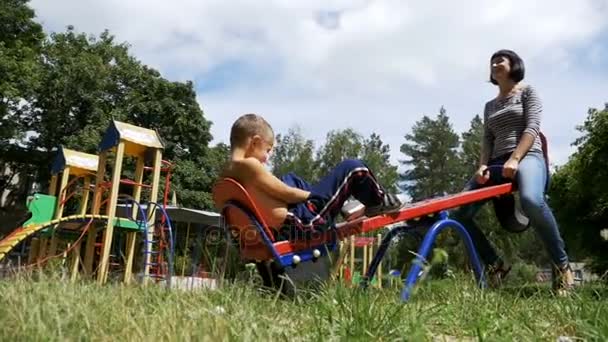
x,y
72,177
348,261
124,140
68,168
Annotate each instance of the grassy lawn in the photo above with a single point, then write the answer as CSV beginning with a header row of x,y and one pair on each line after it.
x,y
50,309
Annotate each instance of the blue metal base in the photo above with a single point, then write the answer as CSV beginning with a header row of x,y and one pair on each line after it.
x,y
442,223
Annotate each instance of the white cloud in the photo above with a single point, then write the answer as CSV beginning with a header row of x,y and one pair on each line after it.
x,y
371,65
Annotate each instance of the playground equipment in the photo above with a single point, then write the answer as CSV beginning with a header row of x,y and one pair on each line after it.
x,y
257,243
348,270
70,167
126,141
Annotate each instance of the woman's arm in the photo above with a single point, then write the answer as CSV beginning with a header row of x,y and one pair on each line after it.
x,y
526,141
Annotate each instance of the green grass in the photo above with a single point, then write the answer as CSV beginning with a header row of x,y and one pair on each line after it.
x,y
51,309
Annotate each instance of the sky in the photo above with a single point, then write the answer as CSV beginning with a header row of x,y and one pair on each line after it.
x,y
376,66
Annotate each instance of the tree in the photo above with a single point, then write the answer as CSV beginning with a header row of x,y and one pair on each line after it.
x,y
339,145
86,81
348,144
294,153
376,155
76,97
20,43
433,169
471,147
431,158
579,192
194,177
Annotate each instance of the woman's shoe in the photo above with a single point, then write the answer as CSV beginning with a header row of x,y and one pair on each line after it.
x,y
563,280
497,272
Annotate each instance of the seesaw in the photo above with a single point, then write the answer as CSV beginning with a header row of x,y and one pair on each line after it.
x,y
258,243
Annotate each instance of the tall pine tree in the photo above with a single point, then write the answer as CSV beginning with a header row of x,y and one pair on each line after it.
x,y
471,148
432,165
432,169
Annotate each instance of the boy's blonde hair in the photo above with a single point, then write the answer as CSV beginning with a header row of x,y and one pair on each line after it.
x,y
246,127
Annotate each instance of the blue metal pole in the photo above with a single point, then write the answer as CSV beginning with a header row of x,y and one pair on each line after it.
x,y
384,244
427,243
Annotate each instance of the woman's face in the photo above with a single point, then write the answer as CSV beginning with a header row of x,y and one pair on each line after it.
x,y
500,68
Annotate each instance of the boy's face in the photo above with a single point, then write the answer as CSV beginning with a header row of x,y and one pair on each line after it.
x,y
260,147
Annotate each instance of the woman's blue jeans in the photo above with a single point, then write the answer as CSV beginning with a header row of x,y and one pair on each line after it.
x,y
530,178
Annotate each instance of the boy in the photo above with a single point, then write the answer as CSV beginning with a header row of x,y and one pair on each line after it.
x,y
291,204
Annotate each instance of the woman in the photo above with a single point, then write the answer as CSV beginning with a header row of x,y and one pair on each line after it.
x,y
512,139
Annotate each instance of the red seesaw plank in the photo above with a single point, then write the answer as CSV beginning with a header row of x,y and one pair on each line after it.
x,y
415,210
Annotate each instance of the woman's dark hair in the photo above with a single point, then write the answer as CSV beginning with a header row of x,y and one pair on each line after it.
x,y
517,65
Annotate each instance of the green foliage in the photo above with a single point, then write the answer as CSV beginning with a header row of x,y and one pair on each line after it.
x,y
65,89
195,175
339,145
376,155
522,273
348,144
579,192
87,81
74,102
433,168
20,42
294,153
470,148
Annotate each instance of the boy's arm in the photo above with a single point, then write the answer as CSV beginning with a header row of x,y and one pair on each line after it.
x,y
273,186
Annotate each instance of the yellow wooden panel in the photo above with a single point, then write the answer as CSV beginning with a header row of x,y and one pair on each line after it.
x,y
134,149
80,160
138,135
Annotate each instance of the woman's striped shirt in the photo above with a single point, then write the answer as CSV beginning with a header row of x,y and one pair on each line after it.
x,y
507,119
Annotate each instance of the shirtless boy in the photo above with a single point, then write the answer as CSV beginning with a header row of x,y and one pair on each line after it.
x,y
290,201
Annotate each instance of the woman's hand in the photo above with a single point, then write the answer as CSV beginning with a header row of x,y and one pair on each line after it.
x,y
509,169
482,175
